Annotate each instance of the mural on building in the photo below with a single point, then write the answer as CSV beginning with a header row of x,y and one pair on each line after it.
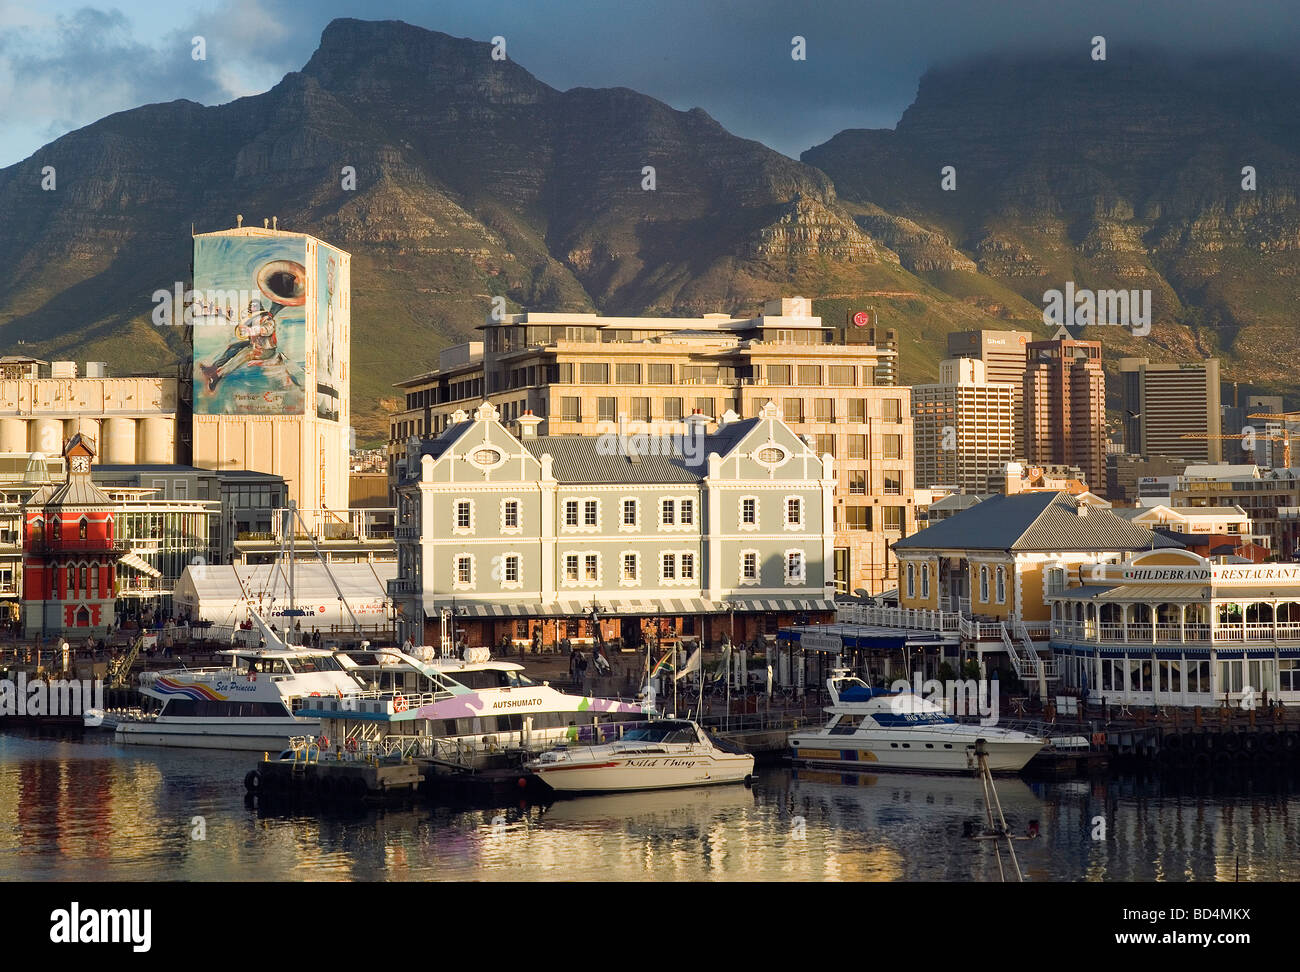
x,y
329,331
251,358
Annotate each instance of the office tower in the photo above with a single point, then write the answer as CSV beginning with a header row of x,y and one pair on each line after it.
x,y
1065,407
1004,357
963,426
1164,402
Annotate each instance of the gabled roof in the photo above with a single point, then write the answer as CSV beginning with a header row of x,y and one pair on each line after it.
x,y
1034,521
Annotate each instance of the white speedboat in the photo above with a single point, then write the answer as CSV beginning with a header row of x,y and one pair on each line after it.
x,y
876,729
664,754
251,704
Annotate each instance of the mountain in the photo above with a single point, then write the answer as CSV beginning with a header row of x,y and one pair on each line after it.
x,y
474,179
1119,174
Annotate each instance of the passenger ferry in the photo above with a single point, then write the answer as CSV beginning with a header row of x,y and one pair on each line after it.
x,y
876,729
254,703
662,755
459,709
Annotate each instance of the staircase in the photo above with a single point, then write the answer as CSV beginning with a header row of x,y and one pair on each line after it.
x,y
120,670
1043,667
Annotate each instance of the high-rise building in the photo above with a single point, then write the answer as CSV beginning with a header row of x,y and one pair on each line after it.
x,y
1004,357
1065,407
963,427
271,335
1165,402
584,374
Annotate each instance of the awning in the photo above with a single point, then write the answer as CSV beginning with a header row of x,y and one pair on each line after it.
x,y
628,607
136,562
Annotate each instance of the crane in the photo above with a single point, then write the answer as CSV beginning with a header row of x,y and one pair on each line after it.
x,y
1282,435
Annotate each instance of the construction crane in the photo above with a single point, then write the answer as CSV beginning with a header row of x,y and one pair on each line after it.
x,y
1281,435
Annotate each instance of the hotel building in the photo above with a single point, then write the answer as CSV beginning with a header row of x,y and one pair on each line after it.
x,y
580,372
1005,359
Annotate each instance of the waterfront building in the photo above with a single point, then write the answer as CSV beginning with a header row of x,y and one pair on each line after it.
x,y
1065,406
270,360
1228,520
1164,402
131,418
580,372
964,426
1262,493
706,535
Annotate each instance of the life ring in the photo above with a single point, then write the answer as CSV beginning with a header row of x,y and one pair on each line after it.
x,y
399,704
323,742
352,744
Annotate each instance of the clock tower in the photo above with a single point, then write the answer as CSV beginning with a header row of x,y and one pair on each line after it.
x,y
70,552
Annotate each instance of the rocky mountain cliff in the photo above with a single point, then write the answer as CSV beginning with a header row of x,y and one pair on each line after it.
x,y
475,179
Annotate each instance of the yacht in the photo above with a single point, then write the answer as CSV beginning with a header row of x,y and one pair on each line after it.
x,y
877,729
658,756
253,703
462,709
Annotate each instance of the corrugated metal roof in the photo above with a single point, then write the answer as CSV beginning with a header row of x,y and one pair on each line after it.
x,y
579,459
1034,521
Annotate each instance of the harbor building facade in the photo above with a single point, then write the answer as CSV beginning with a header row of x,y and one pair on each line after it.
x,y
583,374
706,536
270,363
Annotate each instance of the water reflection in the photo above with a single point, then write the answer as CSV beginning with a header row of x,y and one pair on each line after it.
x,y
74,807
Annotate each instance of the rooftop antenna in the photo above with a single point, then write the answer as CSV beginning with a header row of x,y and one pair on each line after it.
x,y
239,220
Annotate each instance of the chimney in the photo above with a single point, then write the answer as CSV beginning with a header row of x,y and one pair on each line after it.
x,y
275,222
1012,482
528,423
239,220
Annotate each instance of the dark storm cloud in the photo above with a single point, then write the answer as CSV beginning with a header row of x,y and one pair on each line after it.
x,y
729,57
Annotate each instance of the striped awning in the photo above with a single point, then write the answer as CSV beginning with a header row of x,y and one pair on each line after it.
x,y
138,563
659,607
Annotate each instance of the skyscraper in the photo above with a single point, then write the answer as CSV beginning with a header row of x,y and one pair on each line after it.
x,y
1065,406
1163,402
963,427
1004,357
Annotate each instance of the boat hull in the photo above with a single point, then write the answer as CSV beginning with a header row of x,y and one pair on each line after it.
x,y
887,753
622,773
215,734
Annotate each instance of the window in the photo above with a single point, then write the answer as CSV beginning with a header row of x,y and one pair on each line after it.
x,y
1002,585
56,528
591,565
794,567
660,374
893,482
629,512
857,445
778,374
842,375
891,409
793,511
911,580
627,374
629,566
857,409
686,512
72,578
607,409
673,408
824,445
857,481
859,517
749,511
464,578
984,584
810,375
464,516
925,581
511,569
893,518
823,410
792,409
705,406
570,409
510,515
595,373
590,513
688,566
81,529
669,566
749,565
571,513
667,512
892,446
640,409
571,567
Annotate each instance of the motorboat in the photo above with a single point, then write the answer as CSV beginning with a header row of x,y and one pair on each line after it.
x,y
657,756
879,729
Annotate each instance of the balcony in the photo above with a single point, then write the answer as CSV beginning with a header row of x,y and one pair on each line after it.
x,y
1171,633
402,587
76,545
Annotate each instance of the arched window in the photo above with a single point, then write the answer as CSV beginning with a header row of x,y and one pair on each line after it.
x,y
56,528
984,584
925,581
911,580
72,581
81,529
1002,585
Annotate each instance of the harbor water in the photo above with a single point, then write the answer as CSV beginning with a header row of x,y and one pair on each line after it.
x,y
78,807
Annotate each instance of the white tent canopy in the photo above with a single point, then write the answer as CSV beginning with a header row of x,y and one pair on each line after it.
x,y
223,593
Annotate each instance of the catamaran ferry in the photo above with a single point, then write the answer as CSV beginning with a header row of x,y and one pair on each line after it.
x,y
876,729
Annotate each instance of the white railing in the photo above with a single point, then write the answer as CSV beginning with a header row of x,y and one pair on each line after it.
x,y
1168,632
897,617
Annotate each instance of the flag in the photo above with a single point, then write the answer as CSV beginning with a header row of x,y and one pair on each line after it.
x,y
665,664
692,665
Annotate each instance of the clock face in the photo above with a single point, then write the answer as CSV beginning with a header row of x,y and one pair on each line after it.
x,y
81,464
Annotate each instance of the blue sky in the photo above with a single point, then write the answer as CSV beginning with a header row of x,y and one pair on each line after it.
x,y
65,64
